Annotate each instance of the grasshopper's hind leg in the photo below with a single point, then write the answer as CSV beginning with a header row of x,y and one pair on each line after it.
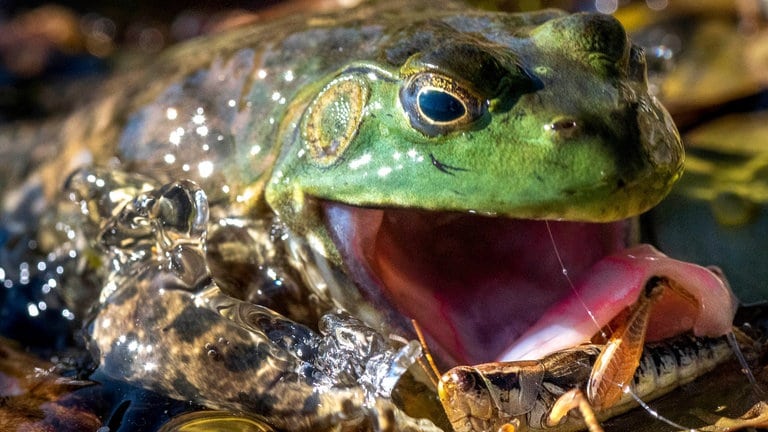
x,y
615,367
570,400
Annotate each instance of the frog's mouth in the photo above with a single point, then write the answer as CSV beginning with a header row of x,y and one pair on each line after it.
x,y
492,288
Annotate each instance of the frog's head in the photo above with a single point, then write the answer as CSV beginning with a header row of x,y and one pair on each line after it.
x,y
547,122
426,175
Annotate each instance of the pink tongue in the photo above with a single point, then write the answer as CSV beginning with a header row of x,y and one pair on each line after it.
x,y
614,283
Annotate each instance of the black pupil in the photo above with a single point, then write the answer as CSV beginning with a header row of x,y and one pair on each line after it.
x,y
440,106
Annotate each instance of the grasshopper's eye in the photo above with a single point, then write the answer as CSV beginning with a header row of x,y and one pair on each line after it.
x,y
437,105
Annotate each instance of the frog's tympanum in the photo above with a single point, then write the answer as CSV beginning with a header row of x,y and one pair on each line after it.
x,y
476,172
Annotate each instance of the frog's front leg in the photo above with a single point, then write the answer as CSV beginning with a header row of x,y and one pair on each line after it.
x,y
164,324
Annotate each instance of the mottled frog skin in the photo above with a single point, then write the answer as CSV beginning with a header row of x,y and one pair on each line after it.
x,y
205,183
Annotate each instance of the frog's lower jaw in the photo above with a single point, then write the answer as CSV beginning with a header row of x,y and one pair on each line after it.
x,y
486,289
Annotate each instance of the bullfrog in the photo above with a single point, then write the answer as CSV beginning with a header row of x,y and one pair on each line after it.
x,y
255,221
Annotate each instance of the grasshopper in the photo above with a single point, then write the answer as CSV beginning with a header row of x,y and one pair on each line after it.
x,y
540,394
597,380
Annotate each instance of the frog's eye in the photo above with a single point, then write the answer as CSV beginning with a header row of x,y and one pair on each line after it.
x,y
440,106
436,105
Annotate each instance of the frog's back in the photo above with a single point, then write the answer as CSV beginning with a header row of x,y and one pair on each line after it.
x,y
204,110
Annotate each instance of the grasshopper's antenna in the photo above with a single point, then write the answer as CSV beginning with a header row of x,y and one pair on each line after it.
x,y
733,340
564,270
430,368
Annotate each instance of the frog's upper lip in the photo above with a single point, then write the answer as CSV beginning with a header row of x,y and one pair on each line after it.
x,y
486,289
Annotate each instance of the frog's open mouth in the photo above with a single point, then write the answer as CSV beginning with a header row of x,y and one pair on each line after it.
x,y
488,288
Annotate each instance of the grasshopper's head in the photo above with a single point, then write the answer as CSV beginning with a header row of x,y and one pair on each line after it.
x,y
491,396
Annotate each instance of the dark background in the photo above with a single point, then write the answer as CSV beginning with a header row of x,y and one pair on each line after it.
x,y
47,48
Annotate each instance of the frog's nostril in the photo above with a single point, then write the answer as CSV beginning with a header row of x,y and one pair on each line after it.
x,y
562,127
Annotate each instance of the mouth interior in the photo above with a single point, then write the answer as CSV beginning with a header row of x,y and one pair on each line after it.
x,y
478,285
